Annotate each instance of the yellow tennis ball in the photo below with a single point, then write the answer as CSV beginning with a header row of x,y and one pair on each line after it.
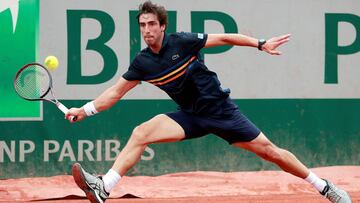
x,y
51,62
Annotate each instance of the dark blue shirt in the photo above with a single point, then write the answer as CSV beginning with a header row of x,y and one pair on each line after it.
x,y
179,70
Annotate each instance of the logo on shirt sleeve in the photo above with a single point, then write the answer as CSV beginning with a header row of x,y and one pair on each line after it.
x,y
200,35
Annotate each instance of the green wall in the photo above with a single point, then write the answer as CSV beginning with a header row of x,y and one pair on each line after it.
x,y
321,132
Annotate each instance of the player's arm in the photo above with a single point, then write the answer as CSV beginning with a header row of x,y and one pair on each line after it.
x,y
107,99
243,40
113,94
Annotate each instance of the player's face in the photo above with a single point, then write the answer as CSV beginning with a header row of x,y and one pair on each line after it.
x,y
151,30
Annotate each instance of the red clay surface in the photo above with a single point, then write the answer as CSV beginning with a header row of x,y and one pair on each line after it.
x,y
200,187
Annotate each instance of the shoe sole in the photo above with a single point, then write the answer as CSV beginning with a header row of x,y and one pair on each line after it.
x,y
79,178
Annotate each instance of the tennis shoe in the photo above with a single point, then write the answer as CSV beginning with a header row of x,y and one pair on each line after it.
x,y
93,186
334,194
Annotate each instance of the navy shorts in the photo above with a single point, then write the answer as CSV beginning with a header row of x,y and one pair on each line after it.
x,y
232,128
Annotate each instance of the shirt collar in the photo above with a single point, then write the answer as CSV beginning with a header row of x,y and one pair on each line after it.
x,y
165,41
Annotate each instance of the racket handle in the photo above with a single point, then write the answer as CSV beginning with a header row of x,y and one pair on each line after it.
x,y
64,109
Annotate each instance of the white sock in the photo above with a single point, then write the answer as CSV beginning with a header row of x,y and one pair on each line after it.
x,y
111,178
317,182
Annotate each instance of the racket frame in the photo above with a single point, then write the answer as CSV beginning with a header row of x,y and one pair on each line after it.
x,y
62,107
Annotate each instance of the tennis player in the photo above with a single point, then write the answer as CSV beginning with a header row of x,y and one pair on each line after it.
x,y
172,62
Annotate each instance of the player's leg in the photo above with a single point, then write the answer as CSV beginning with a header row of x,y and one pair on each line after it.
x,y
264,148
287,161
161,128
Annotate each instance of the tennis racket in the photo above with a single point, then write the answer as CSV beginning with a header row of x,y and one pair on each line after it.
x,y
33,82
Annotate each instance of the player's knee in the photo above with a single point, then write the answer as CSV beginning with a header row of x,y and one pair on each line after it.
x,y
140,135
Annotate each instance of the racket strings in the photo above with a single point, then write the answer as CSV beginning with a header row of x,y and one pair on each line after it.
x,y
33,82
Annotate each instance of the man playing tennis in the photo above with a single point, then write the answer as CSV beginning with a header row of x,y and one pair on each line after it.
x,y
172,62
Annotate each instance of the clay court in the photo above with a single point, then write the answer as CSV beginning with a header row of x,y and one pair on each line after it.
x,y
201,187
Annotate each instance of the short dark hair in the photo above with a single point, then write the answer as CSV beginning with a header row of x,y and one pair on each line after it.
x,y
159,11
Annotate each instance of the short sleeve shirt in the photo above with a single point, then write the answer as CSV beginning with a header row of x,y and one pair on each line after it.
x,y
179,70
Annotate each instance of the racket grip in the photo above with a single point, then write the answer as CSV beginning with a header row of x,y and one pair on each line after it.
x,y
64,109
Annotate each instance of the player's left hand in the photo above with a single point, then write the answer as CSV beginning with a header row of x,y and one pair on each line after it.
x,y
273,43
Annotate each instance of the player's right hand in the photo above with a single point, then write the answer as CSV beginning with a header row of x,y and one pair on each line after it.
x,y
78,112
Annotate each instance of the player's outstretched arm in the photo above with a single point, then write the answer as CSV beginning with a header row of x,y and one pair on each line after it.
x,y
242,40
106,100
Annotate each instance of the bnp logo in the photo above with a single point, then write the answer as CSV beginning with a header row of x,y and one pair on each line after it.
x,y
18,28
332,47
13,5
